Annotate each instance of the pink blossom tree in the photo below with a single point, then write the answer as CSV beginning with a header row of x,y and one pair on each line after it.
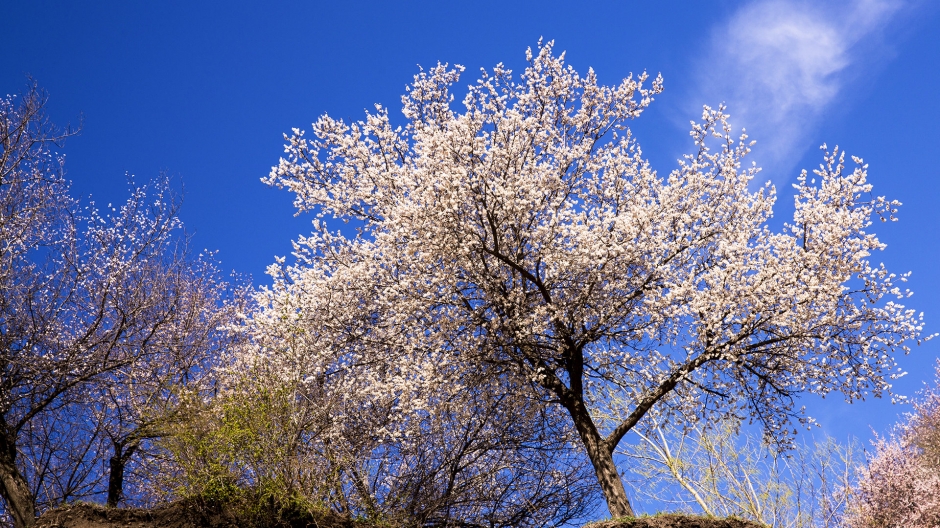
x,y
900,486
527,234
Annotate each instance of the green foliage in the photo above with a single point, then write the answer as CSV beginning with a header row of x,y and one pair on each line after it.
x,y
235,450
204,444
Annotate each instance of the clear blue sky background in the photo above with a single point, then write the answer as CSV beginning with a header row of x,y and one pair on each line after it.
x,y
205,90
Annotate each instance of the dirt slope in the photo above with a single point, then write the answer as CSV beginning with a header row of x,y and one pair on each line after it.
x,y
671,520
176,515
189,515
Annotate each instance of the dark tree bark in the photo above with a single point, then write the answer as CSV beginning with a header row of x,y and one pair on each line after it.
x,y
601,455
13,486
117,466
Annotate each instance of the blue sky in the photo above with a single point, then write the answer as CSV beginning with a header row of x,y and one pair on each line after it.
x,y
204,91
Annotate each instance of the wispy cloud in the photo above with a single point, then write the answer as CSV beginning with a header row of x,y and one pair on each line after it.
x,y
782,65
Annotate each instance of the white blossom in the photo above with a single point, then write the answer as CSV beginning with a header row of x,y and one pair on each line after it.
x,y
528,235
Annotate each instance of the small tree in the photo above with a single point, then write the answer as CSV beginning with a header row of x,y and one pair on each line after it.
x,y
303,423
139,402
719,470
528,234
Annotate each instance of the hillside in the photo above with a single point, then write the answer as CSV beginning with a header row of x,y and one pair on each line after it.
x,y
189,515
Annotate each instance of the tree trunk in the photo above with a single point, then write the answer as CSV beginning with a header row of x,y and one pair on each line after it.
x,y
115,481
118,464
13,487
611,485
602,459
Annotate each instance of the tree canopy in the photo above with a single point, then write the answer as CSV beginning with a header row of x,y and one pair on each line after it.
x,y
102,311
526,235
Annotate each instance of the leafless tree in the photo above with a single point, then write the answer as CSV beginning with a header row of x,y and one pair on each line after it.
x,y
717,469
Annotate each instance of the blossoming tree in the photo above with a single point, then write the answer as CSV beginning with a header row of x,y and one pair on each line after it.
x,y
526,234
900,485
326,402
87,297
137,403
